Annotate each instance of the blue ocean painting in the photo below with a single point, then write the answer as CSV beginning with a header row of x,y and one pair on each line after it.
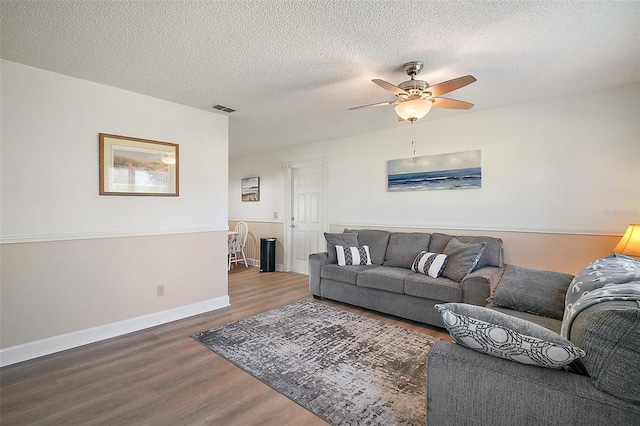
x,y
436,172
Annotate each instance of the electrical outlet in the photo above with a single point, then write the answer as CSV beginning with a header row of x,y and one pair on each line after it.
x,y
276,215
161,290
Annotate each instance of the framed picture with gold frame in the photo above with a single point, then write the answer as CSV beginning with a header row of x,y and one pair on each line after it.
x,y
133,166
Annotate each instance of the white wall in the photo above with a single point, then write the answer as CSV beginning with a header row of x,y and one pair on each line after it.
x,y
562,165
49,188
50,148
272,187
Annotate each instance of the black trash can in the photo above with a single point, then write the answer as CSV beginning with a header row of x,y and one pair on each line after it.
x,y
267,254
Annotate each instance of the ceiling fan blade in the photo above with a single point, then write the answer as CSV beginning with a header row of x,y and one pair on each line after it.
x,y
389,87
451,103
450,85
373,105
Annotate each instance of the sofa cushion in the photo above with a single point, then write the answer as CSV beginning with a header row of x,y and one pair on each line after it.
x,y
462,258
353,255
441,289
507,337
431,264
492,255
404,247
345,274
377,241
384,278
609,332
344,239
530,290
438,242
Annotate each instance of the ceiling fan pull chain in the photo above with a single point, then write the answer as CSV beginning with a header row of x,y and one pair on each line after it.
x,y
413,139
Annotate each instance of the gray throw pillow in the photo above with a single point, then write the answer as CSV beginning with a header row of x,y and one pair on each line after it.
x,y
533,291
462,259
491,256
503,336
333,240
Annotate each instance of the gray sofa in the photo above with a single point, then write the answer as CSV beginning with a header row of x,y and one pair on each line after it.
x,y
388,284
467,387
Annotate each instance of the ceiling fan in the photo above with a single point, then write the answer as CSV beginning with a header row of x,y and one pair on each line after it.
x,y
414,98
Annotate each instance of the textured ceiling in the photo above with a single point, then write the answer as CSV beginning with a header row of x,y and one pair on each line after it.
x,y
293,68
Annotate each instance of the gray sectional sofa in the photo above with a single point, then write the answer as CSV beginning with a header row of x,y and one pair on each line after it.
x,y
388,284
601,317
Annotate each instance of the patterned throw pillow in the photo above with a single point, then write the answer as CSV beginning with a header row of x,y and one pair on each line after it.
x,y
431,264
503,336
353,255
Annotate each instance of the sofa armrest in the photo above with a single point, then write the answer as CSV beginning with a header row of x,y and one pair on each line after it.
x,y
471,388
316,261
478,285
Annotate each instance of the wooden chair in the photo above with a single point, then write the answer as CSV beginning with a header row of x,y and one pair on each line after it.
x,y
242,229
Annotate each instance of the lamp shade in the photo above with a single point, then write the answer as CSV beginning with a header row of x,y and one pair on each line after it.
x,y
414,110
168,159
630,242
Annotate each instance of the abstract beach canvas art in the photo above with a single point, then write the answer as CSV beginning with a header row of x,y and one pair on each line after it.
x,y
457,170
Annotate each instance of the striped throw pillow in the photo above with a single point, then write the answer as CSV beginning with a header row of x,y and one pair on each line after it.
x,y
353,255
431,264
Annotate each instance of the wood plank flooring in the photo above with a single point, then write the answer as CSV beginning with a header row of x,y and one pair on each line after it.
x,y
160,376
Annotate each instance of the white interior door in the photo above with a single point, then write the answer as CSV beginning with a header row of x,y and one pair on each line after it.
x,y
306,220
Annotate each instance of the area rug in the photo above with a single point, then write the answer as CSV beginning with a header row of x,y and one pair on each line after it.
x,y
345,368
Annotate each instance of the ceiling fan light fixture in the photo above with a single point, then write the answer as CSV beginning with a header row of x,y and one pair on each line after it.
x,y
414,110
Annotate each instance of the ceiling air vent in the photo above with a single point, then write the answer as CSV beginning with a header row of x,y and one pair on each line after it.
x,y
223,108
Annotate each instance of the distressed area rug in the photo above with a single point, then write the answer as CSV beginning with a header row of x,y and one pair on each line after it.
x,y
345,368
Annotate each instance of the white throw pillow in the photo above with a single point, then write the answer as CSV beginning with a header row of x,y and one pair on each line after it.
x,y
431,264
503,336
353,255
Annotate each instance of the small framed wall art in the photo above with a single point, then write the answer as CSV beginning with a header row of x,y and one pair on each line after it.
x,y
250,189
132,166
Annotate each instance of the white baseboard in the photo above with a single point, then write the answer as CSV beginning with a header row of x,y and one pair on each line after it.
x,y
27,351
256,262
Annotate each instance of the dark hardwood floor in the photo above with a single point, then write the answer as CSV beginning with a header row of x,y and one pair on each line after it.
x,y
160,376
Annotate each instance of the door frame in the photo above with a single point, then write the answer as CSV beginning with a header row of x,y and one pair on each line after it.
x,y
288,202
